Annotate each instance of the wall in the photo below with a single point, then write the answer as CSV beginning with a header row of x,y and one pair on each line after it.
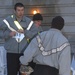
x,y
49,9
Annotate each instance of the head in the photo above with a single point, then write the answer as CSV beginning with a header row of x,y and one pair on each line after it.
x,y
37,18
19,10
57,22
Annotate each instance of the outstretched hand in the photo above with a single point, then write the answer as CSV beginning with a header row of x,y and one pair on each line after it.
x,y
13,33
23,73
21,31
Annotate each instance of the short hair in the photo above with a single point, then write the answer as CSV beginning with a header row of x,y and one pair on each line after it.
x,y
18,5
57,22
37,16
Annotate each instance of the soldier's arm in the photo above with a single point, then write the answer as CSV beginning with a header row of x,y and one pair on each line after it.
x,y
65,61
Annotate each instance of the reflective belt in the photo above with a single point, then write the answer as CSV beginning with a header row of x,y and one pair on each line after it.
x,y
12,16
29,26
8,25
42,49
19,26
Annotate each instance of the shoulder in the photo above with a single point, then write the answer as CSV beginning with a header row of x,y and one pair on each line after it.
x,y
58,36
43,34
26,18
61,36
8,17
62,39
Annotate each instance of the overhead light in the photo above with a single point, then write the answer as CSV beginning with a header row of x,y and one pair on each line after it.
x,y
35,11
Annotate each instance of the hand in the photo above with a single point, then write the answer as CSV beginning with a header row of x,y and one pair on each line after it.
x,y
23,73
13,33
21,31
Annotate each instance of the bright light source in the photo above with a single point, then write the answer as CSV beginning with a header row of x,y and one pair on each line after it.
x,y
35,11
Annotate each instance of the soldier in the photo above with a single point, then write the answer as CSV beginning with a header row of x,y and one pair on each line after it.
x,y
17,30
38,18
50,50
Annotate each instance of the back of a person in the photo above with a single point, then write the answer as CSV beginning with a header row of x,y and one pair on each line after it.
x,y
51,39
50,51
55,46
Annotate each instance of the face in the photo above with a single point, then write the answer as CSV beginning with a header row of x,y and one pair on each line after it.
x,y
19,12
38,22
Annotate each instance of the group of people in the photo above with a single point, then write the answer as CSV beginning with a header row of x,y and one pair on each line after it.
x,y
25,41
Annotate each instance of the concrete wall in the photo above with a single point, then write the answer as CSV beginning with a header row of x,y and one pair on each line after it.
x,y
49,9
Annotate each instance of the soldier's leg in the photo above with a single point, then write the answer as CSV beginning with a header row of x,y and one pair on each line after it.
x,y
12,64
